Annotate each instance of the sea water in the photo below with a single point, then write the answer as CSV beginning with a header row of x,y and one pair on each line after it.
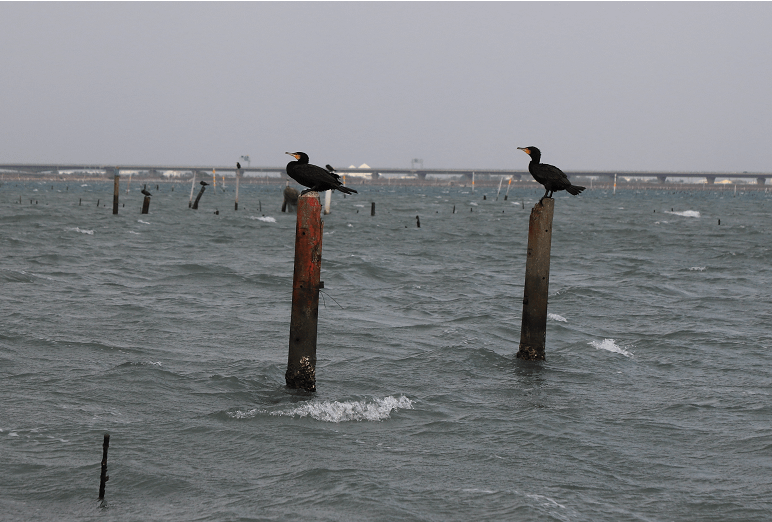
x,y
169,331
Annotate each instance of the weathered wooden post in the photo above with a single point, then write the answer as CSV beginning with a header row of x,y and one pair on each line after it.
x,y
238,177
146,205
200,193
116,189
533,331
103,478
372,208
301,363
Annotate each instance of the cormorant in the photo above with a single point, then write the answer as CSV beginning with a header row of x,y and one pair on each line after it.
x,y
204,183
238,165
313,177
550,176
145,192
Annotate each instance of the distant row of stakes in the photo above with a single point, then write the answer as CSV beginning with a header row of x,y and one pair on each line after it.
x,y
301,365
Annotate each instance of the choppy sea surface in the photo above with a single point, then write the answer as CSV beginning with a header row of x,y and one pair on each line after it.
x,y
169,331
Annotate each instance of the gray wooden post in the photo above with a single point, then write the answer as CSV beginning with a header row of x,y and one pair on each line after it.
x,y
116,189
533,332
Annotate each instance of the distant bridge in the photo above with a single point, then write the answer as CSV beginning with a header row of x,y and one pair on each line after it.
x,y
47,170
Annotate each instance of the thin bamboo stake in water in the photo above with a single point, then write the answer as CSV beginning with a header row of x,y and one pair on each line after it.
x,y
238,177
192,186
103,478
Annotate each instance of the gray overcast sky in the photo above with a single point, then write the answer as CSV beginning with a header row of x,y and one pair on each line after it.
x,y
612,86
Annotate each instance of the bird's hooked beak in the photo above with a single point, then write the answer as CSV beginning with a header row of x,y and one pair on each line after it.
x,y
525,149
296,156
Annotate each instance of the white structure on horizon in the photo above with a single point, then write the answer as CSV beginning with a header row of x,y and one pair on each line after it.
x,y
359,174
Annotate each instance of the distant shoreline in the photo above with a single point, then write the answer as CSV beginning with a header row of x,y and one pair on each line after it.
x,y
354,181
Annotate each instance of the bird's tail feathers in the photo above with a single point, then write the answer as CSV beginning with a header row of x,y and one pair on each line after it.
x,y
574,189
346,190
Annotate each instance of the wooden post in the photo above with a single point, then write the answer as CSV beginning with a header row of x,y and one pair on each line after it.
x,y
372,208
146,205
200,192
103,477
418,222
533,332
238,177
301,363
116,189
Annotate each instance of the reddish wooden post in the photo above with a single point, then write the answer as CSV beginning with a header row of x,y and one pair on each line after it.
x,y
301,363
533,332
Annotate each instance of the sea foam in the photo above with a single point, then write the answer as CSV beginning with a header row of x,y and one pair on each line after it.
x,y
685,213
267,219
611,346
81,230
336,411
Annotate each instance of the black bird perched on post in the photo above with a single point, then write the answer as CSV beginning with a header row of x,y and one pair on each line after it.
x,y
313,177
145,192
204,183
550,176
238,165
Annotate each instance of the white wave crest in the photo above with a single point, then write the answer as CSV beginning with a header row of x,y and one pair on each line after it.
x,y
685,213
611,346
335,411
267,219
556,317
698,268
81,230
143,222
